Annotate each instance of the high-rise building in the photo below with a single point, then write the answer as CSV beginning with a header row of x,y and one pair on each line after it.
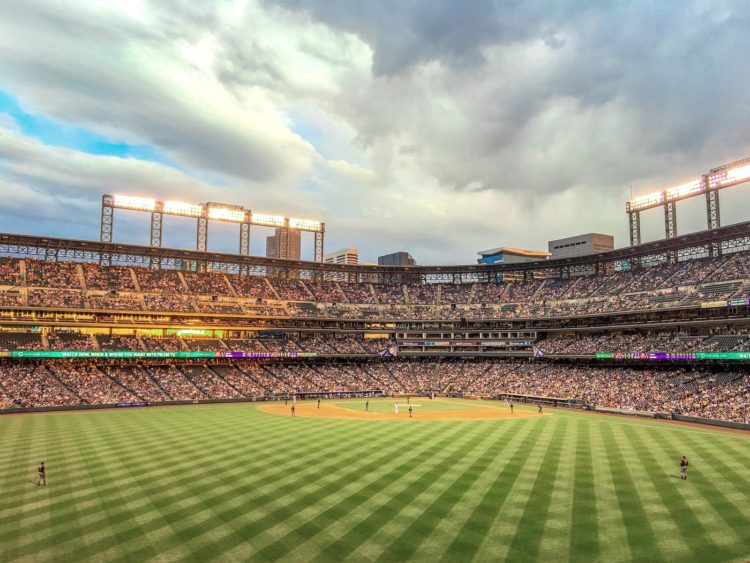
x,y
343,256
285,243
397,259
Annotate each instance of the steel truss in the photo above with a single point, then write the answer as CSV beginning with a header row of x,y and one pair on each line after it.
x,y
693,245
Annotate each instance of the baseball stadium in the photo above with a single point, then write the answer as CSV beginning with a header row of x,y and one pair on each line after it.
x,y
193,405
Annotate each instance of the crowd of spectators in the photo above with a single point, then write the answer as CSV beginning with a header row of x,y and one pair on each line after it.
x,y
178,302
253,287
159,281
56,298
90,383
326,291
138,381
359,293
166,344
112,278
206,344
52,274
21,341
665,342
210,382
70,340
30,385
694,391
10,273
175,383
208,283
11,299
291,290
119,342
114,301
663,285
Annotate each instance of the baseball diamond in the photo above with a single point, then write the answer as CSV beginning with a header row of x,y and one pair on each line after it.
x,y
239,482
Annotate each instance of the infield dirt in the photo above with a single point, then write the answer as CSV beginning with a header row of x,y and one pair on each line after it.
x,y
311,410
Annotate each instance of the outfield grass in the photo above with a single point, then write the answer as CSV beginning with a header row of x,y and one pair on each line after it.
x,y
229,482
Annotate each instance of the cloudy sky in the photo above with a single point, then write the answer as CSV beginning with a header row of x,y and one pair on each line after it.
x,y
434,126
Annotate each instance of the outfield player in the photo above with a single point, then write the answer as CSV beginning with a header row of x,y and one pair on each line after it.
x,y
395,407
318,403
683,468
409,411
511,407
293,409
539,405
367,405
42,480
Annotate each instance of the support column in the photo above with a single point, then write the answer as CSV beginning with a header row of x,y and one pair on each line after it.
x,y
635,227
156,229
245,242
670,219
319,244
106,226
202,235
713,219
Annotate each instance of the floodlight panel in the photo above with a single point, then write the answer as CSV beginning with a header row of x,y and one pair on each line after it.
x,y
645,201
269,220
686,189
226,214
739,174
182,208
305,224
134,202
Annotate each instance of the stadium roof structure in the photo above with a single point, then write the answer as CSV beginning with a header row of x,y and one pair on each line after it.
x,y
541,254
692,245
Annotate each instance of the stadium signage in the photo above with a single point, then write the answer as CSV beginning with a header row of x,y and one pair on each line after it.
x,y
673,355
712,304
121,354
114,354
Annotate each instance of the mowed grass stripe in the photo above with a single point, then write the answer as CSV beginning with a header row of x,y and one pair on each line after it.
x,y
122,475
182,495
393,482
327,479
704,484
21,443
450,493
368,538
530,528
160,485
694,538
162,482
584,530
468,539
641,537
129,448
707,469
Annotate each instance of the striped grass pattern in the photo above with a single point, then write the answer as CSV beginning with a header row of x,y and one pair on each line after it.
x,y
230,483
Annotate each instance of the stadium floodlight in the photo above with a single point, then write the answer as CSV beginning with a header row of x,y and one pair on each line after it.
x,y
269,220
305,224
226,214
739,174
645,201
686,189
133,202
182,208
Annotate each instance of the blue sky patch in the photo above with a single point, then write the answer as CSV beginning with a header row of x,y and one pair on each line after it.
x,y
55,133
